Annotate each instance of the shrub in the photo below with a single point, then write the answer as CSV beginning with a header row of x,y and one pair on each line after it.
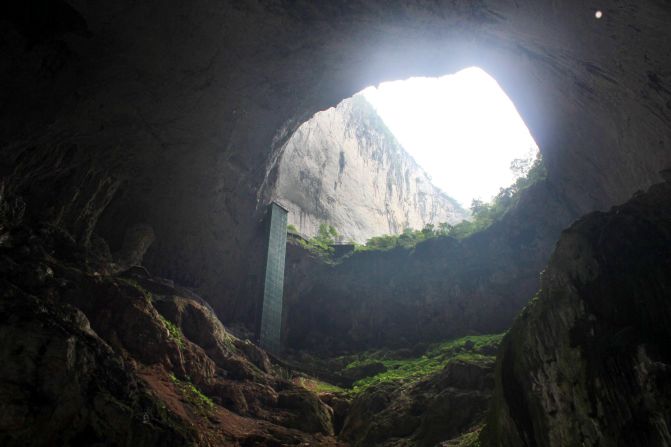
x,y
483,214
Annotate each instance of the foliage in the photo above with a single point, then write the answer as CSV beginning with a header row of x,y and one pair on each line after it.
x,y
136,285
483,214
174,331
470,439
318,386
408,239
193,395
321,243
472,348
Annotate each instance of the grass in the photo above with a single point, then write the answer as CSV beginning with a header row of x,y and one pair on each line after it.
x,y
435,359
470,439
135,285
193,395
174,331
318,386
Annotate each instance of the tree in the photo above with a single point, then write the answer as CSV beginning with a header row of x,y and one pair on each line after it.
x,y
326,234
444,228
521,166
428,231
478,206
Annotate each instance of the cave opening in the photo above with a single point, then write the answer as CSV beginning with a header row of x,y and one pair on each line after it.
x,y
139,141
414,157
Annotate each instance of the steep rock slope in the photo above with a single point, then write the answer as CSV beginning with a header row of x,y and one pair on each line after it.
x,y
90,357
442,288
345,168
588,362
421,413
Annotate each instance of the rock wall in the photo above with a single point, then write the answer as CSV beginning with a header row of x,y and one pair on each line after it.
x,y
440,289
92,357
345,168
174,114
588,361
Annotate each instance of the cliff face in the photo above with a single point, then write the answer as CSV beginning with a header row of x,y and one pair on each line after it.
x,y
345,168
588,361
442,288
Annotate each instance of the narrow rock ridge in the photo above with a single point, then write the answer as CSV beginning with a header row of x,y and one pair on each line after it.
x,y
345,168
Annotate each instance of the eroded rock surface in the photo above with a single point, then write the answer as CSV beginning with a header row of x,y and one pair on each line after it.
x,y
441,289
588,362
345,168
437,408
90,357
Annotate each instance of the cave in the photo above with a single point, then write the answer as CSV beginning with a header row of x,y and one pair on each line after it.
x,y
401,156
140,143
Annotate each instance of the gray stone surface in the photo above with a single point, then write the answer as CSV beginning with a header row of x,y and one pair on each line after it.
x,y
345,168
440,289
588,362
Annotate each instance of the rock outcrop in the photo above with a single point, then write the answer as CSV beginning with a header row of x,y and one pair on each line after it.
x,y
443,288
588,362
437,408
94,357
345,168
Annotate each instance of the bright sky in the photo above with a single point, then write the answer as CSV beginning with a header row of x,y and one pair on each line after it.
x,y
462,129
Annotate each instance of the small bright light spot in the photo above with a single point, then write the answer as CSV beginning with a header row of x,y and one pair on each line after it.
x,y
462,129
598,14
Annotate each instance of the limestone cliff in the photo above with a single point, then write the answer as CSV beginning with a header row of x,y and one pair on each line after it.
x,y
345,168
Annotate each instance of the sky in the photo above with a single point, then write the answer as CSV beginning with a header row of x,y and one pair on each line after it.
x,y
461,128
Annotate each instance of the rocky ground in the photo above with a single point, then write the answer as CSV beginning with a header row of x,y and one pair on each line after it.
x,y
96,353
409,397
90,357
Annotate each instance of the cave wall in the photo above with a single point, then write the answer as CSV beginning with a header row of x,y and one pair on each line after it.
x,y
440,289
587,361
174,114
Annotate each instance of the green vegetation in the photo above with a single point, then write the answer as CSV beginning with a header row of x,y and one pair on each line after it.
x,y
474,348
483,214
136,285
318,386
408,239
470,439
174,331
528,172
321,243
193,395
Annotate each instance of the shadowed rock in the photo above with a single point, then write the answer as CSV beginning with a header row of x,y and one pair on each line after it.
x,y
588,361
